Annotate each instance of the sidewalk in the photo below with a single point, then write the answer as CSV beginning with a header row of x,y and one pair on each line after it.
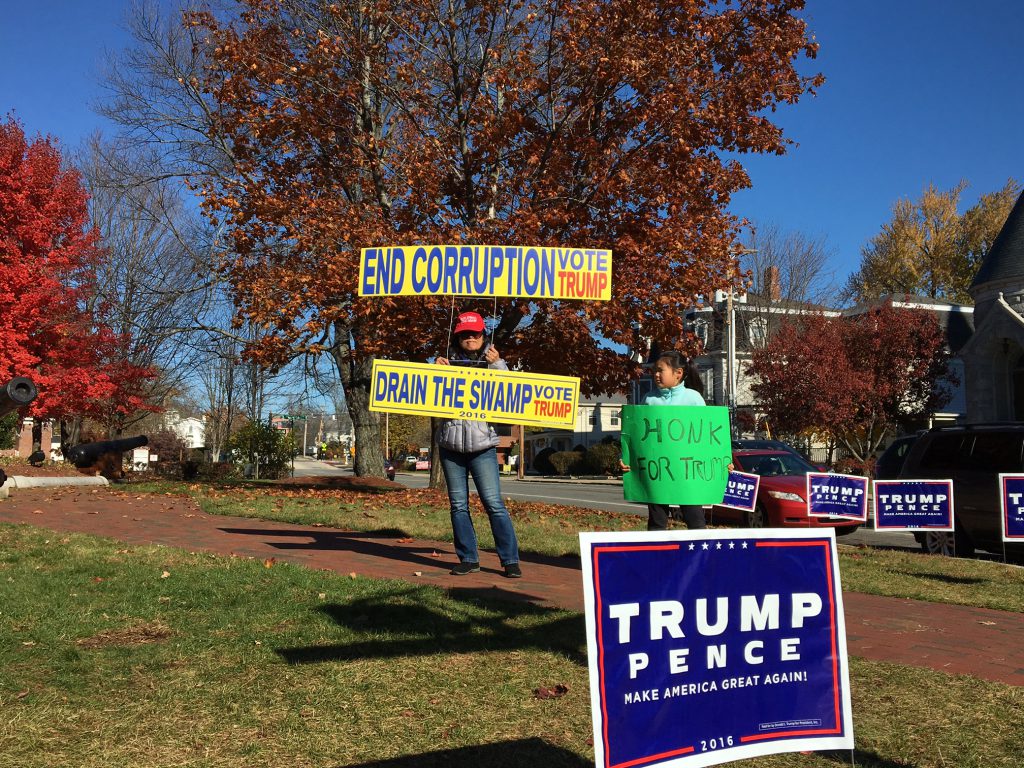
x,y
948,638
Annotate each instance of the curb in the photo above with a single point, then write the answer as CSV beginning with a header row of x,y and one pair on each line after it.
x,y
589,480
21,482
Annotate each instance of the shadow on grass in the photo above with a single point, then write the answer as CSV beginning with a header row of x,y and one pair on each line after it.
x,y
863,759
524,753
406,624
945,578
384,544
358,542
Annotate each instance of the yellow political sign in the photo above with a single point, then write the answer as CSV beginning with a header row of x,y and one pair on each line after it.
x,y
478,394
486,270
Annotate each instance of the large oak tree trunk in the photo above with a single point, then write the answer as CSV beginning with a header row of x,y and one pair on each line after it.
x,y
369,458
354,374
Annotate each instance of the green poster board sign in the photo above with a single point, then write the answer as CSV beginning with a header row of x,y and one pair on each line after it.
x,y
677,454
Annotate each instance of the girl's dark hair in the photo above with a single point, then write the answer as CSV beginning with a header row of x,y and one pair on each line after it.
x,y
691,374
673,358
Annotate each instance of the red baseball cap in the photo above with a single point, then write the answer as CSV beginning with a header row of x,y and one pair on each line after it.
x,y
469,321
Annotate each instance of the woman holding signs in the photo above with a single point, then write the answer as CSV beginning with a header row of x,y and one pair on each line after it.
x,y
678,383
468,448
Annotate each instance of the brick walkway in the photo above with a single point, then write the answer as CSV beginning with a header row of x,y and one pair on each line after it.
x,y
949,638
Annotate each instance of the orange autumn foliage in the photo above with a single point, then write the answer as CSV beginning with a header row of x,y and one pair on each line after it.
x,y
596,124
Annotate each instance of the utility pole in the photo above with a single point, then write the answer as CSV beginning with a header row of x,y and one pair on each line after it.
x,y
521,461
730,341
730,356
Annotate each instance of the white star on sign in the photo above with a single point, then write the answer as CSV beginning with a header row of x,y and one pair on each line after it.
x,y
744,545
718,545
704,546
692,547
732,545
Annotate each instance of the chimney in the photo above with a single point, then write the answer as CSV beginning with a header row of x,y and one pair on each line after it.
x,y
772,285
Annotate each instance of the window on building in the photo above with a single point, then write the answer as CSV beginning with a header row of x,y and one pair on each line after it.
x,y
592,417
642,387
757,332
616,415
700,330
707,378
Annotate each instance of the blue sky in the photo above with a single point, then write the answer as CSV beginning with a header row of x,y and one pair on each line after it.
x,y
917,91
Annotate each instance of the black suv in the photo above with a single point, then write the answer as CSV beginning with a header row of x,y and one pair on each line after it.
x,y
891,461
972,456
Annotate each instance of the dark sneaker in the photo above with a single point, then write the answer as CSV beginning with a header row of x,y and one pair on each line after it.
x,y
463,568
512,571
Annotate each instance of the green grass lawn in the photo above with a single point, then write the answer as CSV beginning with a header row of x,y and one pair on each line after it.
x,y
148,656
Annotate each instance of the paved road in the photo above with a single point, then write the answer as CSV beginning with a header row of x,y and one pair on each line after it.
x,y
593,495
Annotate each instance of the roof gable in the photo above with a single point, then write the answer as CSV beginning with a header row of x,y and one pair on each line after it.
x,y
1005,259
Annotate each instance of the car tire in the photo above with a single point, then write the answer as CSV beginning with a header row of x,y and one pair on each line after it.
x,y
947,544
846,530
756,518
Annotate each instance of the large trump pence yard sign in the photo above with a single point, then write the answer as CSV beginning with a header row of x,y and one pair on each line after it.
x,y
711,646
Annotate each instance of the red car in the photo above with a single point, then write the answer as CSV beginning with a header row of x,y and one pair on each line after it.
x,y
781,494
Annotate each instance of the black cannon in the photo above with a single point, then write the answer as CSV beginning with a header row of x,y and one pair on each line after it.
x,y
15,393
103,457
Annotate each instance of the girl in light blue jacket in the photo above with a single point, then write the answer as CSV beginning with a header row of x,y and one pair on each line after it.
x,y
678,383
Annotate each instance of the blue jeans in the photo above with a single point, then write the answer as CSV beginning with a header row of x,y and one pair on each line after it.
x,y
483,466
659,514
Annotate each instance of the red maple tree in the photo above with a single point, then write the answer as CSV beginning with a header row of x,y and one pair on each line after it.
x,y
853,377
604,123
48,254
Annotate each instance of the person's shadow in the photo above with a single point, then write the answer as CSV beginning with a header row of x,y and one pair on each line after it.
x,y
406,623
520,753
368,543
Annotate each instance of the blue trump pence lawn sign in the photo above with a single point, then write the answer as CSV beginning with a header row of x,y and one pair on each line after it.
x,y
1012,499
832,495
712,646
741,491
912,505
